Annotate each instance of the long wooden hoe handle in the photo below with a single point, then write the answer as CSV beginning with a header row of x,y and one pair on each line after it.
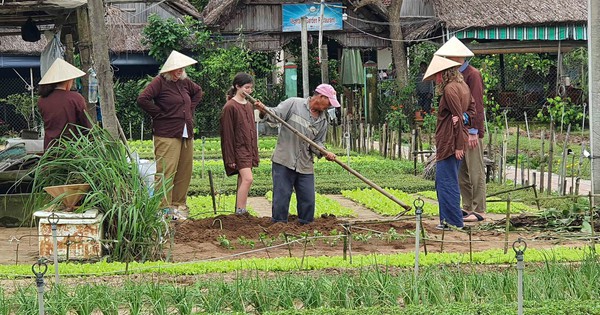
x,y
324,152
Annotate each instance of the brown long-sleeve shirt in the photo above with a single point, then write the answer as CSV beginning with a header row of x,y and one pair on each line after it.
x,y
62,109
474,80
171,106
449,136
238,136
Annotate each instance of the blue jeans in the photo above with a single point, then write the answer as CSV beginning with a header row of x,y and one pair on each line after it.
x,y
448,193
284,180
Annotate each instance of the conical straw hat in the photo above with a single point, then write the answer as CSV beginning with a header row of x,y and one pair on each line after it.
x,y
61,71
71,194
454,48
438,64
177,60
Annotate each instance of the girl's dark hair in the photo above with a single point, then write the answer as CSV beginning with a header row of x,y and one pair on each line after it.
x,y
45,89
240,79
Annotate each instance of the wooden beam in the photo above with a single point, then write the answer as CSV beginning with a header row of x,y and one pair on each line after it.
x,y
10,33
102,66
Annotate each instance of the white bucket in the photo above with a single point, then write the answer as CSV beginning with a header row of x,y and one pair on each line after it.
x,y
147,170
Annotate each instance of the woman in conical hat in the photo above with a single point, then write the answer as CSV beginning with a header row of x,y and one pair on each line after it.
x,y
171,99
450,136
471,175
62,109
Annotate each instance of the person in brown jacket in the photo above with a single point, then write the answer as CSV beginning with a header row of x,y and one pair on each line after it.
x,y
62,109
171,99
239,140
450,136
471,176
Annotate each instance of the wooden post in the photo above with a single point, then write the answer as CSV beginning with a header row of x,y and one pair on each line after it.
x,y
361,138
69,48
507,227
84,44
304,40
550,158
517,155
504,152
400,139
324,64
102,65
543,159
563,165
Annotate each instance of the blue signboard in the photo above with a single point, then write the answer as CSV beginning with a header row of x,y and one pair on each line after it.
x,y
292,13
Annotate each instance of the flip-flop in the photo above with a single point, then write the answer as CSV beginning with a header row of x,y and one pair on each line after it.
x,y
477,217
464,213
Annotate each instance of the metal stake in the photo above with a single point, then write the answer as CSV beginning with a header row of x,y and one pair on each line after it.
x,y
519,246
39,281
418,203
15,239
53,220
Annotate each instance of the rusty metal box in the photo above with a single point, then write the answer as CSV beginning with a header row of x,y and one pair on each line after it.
x,y
78,235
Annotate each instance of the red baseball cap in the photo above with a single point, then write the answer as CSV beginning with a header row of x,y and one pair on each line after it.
x,y
329,91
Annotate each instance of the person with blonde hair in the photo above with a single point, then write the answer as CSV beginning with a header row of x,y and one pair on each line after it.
x,y
170,100
450,136
239,140
62,110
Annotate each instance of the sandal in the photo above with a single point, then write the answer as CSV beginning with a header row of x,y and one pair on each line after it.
x,y
473,217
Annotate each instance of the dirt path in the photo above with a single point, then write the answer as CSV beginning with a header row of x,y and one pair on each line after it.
x,y
24,239
363,214
261,205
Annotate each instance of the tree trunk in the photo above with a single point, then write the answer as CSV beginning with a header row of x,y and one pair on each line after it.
x,y
398,48
102,65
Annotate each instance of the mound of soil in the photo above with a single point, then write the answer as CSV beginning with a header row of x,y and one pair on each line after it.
x,y
233,226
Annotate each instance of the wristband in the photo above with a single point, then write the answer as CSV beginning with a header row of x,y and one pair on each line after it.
x,y
473,131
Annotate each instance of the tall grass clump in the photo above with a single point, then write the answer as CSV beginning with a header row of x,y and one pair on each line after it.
x,y
132,222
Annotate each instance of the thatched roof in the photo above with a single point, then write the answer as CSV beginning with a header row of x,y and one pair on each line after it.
x,y
460,14
124,37
43,12
48,12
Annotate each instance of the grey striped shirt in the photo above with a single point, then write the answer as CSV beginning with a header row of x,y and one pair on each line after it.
x,y
291,151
